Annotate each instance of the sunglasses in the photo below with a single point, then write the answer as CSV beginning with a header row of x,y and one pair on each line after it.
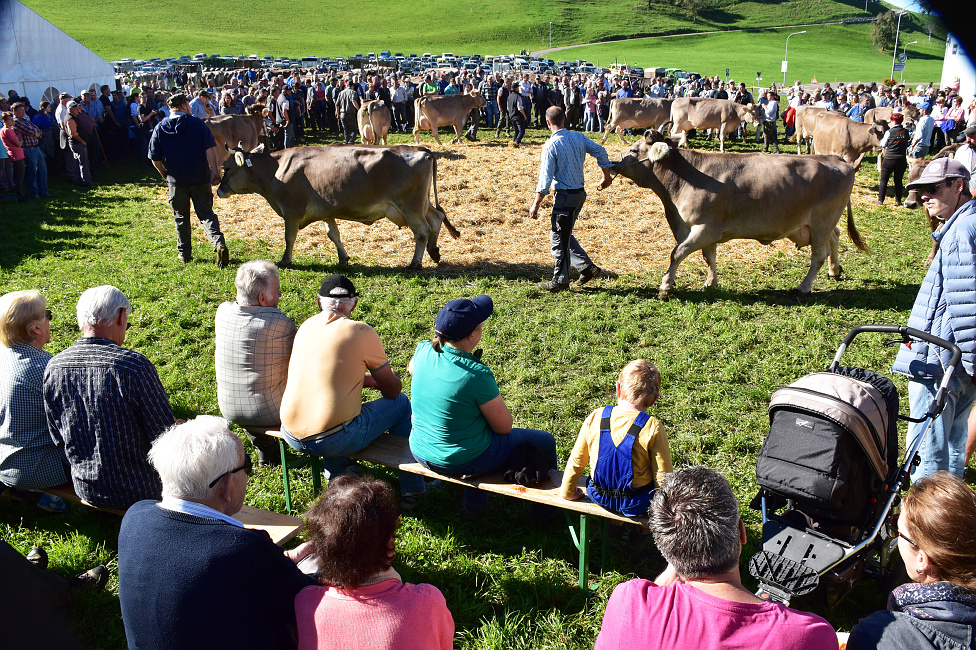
x,y
48,314
933,188
892,525
246,467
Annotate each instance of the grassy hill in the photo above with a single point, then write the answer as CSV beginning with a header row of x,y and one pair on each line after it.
x,y
174,27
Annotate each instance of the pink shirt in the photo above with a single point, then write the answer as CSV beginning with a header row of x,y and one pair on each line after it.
x,y
641,614
7,136
389,615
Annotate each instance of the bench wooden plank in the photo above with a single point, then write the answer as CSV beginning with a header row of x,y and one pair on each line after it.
x,y
394,451
280,527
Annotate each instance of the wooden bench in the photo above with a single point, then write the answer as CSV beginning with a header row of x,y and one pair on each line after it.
x,y
394,452
280,527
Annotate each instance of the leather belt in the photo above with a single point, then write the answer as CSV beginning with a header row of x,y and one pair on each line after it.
x,y
576,191
325,434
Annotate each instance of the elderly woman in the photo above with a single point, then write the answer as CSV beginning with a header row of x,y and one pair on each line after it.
x,y
936,533
362,602
28,458
461,425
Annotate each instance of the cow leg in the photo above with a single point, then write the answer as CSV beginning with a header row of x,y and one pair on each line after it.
x,y
435,218
457,134
332,230
416,131
433,129
620,134
721,138
708,252
696,240
819,250
291,234
421,237
834,269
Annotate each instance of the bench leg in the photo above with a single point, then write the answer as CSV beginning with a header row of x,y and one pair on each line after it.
x,y
582,544
284,474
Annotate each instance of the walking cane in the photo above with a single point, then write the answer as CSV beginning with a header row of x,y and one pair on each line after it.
x,y
104,153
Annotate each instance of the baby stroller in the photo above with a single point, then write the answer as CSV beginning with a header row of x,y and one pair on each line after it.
x,y
829,476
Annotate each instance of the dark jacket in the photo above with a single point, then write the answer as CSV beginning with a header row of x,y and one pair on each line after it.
x,y
920,617
181,141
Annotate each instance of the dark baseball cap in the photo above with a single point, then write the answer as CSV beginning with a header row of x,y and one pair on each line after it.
x,y
939,170
337,286
458,318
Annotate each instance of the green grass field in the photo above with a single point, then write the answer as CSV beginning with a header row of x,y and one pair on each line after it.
x,y
345,27
509,582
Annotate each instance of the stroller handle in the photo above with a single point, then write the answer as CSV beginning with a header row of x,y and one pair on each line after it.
x,y
907,335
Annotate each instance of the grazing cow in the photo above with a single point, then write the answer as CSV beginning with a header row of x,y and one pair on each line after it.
x,y
246,131
632,113
842,136
374,121
432,112
711,198
807,119
703,113
913,201
308,184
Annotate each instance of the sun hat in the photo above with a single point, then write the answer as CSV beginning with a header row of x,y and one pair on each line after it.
x,y
458,318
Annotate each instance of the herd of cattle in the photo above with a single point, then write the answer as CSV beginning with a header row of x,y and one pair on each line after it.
x,y
708,198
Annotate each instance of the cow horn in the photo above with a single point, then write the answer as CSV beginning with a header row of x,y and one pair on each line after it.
x,y
226,147
240,146
659,151
647,133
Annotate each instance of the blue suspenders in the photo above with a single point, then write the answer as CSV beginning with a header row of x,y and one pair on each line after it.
x,y
613,475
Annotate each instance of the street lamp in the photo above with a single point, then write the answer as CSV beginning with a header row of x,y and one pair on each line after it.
x,y
904,55
786,53
550,34
894,52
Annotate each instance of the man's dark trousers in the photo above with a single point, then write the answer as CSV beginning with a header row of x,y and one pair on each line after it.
x,y
202,197
566,251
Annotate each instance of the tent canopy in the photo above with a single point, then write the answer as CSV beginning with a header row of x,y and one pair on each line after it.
x,y
39,61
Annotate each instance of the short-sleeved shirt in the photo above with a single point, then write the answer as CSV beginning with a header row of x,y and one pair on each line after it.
x,y
329,361
252,354
447,392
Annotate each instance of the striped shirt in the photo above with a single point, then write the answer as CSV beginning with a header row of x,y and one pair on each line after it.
x,y
563,155
27,131
28,458
105,405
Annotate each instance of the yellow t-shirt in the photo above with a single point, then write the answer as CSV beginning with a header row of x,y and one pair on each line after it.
x,y
650,455
329,361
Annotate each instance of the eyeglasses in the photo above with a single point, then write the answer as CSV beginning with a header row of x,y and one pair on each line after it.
x,y
892,525
246,467
933,188
48,314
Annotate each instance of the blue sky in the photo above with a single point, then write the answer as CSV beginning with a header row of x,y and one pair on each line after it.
x,y
904,4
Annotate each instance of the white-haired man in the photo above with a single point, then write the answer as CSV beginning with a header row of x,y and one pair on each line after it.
x,y
699,600
105,405
254,340
332,360
190,575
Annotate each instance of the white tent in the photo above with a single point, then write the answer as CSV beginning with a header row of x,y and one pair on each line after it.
x,y
39,61
958,67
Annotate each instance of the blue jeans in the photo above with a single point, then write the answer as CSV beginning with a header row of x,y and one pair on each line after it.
x,y
491,114
378,416
35,179
944,446
493,459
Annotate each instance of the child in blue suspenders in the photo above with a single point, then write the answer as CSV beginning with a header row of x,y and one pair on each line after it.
x,y
626,448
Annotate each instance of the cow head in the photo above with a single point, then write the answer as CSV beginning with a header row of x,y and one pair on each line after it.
x,y
479,100
750,113
237,175
653,148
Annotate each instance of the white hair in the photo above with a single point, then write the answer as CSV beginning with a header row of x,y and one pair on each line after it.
x,y
189,456
100,306
342,305
253,279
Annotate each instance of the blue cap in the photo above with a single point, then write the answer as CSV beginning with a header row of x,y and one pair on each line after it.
x,y
458,318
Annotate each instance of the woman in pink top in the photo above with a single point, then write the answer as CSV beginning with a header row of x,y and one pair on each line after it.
x,y
362,602
16,153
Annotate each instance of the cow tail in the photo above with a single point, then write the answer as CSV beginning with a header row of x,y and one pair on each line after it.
x,y
455,233
852,230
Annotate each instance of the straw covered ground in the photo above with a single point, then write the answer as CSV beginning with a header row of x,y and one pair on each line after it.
x,y
486,189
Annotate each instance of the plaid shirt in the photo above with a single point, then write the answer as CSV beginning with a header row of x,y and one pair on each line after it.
x,y
27,131
105,405
28,458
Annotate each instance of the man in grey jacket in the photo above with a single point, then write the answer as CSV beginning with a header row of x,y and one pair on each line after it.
x,y
945,307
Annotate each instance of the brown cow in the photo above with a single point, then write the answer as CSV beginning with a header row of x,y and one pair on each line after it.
x,y
711,198
704,113
246,131
374,121
308,184
883,114
432,112
915,168
842,136
807,119
632,113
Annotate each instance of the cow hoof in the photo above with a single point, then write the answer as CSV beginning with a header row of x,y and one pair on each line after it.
x,y
796,293
838,277
435,255
343,261
664,294
414,267
284,264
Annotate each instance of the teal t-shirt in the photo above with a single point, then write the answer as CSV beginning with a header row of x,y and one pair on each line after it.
x,y
446,393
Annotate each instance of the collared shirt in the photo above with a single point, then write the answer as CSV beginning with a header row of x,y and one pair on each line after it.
x,y
28,458
563,156
93,108
105,405
27,131
197,108
197,510
923,130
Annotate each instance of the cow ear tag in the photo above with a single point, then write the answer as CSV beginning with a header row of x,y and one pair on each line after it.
x,y
248,162
239,158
